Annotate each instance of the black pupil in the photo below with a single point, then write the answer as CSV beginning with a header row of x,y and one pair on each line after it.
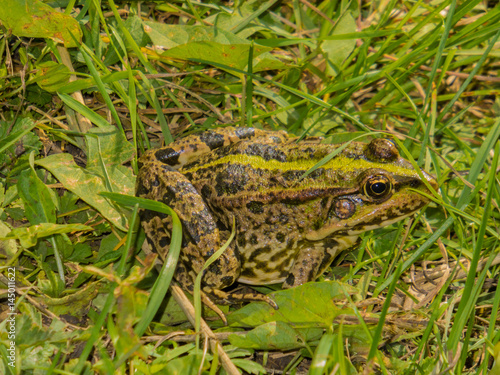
x,y
378,187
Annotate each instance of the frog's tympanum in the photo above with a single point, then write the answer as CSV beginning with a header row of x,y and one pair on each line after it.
x,y
289,228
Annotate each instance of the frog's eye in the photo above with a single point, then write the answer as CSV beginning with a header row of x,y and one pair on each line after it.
x,y
378,187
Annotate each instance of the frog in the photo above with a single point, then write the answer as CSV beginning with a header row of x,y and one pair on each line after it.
x,y
290,220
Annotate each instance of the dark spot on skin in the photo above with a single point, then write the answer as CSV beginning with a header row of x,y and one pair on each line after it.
x,y
293,201
214,269
292,175
168,156
231,180
312,271
318,224
164,241
257,252
330,243
248,273
147,215
241,241
255,207
212,139
253,239
227,281
290,280
316,173
201,224
280,237
327,259
206,191
151,242
279,256
275,139
267,152
168,197
243,133
283,219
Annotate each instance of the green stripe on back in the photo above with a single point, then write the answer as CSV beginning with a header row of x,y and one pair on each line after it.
x,y
341,163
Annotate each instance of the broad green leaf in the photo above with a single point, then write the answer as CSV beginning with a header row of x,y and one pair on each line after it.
x,y
210,44
107,149
9,247
244,20
88,184
170,36
34,19
248,366
109,145
28,236
336,51
273,336
51,76
311,304
232,55
39,200
187,365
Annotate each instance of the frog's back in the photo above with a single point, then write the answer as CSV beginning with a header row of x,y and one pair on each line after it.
x,y
190,148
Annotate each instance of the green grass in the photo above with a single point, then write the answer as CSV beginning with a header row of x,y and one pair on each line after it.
x,y
419,297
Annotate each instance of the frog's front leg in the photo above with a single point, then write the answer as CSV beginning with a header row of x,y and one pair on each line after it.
x,y
314,258
201,236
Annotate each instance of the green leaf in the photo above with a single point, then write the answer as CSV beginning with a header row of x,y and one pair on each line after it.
x,y
34,19
9,247
311,304
170,36
51,76
107,150
248,366
39,200
210,44
107,145
30,235
87,184
273,336
188,365
336,51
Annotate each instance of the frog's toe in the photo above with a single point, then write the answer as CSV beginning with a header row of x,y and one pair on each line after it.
x,y
223,297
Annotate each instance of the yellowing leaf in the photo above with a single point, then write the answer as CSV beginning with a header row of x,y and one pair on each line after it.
x,y
34,19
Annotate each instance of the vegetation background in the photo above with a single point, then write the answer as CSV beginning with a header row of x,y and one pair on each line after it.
x,y
87,86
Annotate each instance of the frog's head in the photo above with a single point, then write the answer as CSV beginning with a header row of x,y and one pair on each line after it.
x,y
377,188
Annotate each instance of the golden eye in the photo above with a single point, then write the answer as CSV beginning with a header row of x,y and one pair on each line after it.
x,y
378,187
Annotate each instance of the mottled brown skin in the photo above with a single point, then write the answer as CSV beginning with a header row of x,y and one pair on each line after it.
x,y
289,227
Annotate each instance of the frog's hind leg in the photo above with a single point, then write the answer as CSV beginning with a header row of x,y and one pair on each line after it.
x,y
201,235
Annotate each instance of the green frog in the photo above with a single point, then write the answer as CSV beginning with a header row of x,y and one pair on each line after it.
x,y
289,227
